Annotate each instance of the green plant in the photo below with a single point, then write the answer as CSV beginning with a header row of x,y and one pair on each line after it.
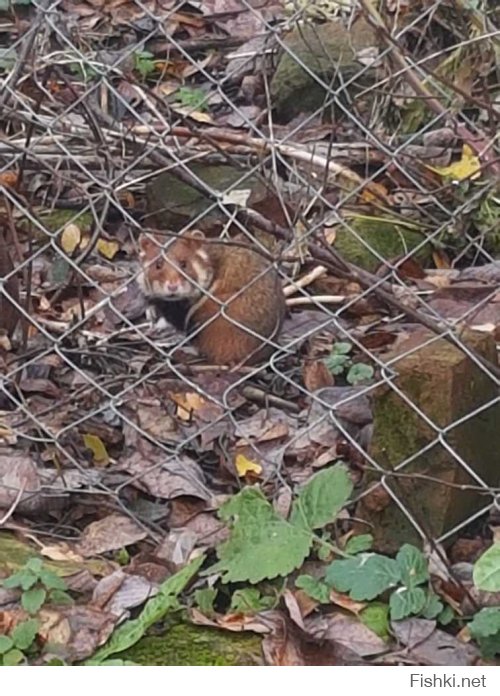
x,y
262,544
190,98
38,586
370,575
340,362
485,628
144,63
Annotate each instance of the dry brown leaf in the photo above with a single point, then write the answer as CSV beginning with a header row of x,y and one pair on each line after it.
x,y
108,534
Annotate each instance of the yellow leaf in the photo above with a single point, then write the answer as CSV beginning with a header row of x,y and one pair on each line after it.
x,y
246,466
96,446
467,167
70,238
107,249
187,403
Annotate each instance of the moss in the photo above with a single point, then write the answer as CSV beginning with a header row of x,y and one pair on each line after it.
x,y
184,644
384,237
56,220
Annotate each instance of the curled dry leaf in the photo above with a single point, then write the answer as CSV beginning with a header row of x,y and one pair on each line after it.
x,y
119,592
19,479
110,533
75,631
427,645
170,479
347,631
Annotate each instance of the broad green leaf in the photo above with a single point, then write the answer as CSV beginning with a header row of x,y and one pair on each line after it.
x,y
413,566
337,363
341,348
322,497
486,574
32,600
358,544
360,372
376,618
6,643
205,599
261,545
28,580
25,633
313,587
406,602
13,657
485,623
60,597
433,606
16,579
365,577
35,565
249,601
51,581
155,609
446,616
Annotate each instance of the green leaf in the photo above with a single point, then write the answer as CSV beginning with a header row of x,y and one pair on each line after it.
x,y
376,617
337,363
52,581
433,606
357,544
406,601
205,599
365,577
156,608
486,574
60,597
25,633
34,564
33,599
249,601
360,372
15,580
485,628
485,623
6,643
413,566
28,580
192,98
313,587
322,497
13,657
261,545
341,348
446,616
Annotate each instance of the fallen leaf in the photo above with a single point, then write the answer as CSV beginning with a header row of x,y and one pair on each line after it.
x,y
108,249
245,466
110,533
467,167
71,238
96,446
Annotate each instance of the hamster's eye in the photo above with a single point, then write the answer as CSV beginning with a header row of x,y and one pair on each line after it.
x,y
182,265
159,263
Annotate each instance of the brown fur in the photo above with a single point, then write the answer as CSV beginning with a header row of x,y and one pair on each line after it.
x,y
246,291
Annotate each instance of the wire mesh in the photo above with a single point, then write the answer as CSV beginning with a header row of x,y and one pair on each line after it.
x,y
99,99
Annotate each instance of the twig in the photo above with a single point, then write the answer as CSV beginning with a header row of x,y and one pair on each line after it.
x,y
303,282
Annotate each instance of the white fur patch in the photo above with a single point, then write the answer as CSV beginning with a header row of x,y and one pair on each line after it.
x,y
203,272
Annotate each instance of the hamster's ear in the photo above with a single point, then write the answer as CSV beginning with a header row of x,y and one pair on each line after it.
x,y
146,243
197,234
191,235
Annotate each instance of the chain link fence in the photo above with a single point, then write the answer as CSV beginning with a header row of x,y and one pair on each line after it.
x,y
354,145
